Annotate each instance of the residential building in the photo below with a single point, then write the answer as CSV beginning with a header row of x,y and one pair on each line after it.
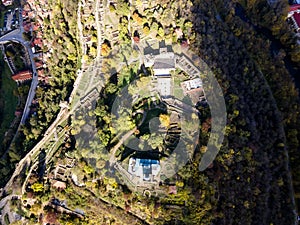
x,y
24,14
22,76
191,85
144,169
26,8
172,190
60,185
294,17
18,113
179,32
41,73
27,27
7,2
31,14
38,42
36,26
38,64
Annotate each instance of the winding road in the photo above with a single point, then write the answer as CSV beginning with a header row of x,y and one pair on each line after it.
x,y
17,36
65,112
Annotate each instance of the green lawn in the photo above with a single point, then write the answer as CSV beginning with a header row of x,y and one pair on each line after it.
x,y
8,101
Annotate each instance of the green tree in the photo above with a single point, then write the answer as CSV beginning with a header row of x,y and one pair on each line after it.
x,y
112,8
88,169
123,8
164,120
93,51
26,36
161,32
37,187
154,27
105,49
155,140
9,53
146,29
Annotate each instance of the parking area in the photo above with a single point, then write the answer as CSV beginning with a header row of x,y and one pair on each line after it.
x,y
9,20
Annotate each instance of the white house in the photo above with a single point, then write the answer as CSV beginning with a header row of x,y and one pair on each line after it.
x,y
145,169
192,84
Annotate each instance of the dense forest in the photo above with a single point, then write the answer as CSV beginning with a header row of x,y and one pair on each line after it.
x,y
250,181
255,83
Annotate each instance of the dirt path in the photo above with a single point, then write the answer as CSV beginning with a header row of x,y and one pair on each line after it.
x,y
112,159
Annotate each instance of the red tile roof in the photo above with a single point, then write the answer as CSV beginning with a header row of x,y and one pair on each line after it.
x,y
40,73
7,2
39,34
297,18
294,7
59,184
36,26
136,39
26,7
24,13
38,64
18,113
173,190
31,14
38,42
22,76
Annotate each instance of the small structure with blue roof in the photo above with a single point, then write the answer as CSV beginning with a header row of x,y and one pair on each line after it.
x,y
145,169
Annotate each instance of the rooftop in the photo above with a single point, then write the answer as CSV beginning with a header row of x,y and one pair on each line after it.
x,y
164,63
192,84
22,76
7,2
145,169
59,184
38,42
172,190
297,18
164,85
163,60
294,7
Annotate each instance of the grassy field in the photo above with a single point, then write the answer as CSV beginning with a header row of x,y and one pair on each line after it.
x,y
8,101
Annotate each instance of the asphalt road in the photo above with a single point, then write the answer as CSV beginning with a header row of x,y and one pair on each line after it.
x,y
17,36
